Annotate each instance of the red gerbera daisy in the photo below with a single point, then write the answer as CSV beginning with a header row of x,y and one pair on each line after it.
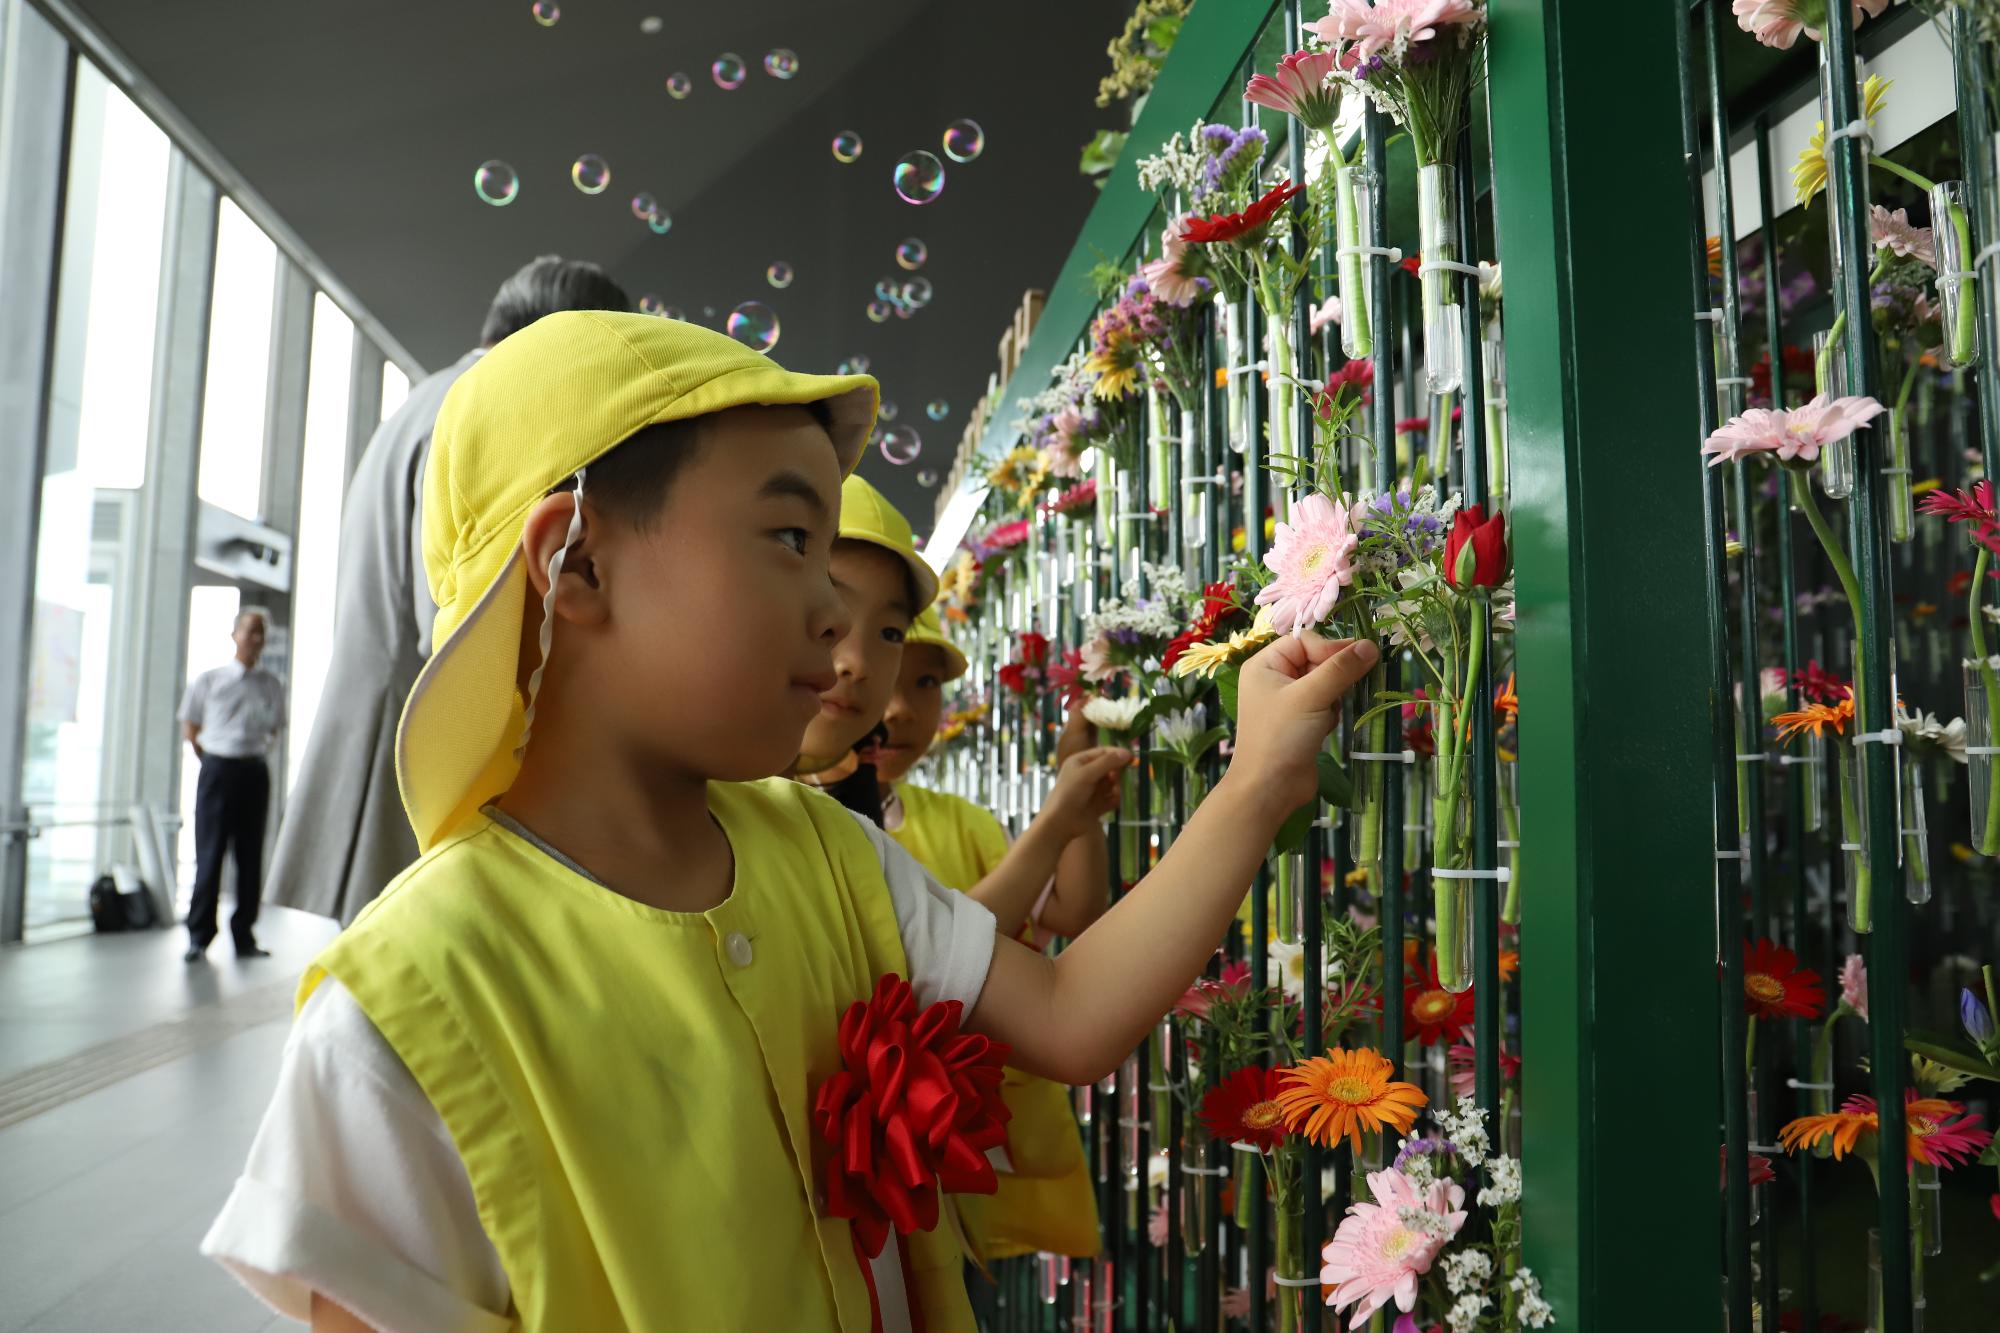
x,y
1431,1013
1775,986
1817,685
1235,226
1244,1108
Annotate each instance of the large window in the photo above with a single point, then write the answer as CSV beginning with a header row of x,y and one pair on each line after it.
x,y
211,620
395,388
322,479
239,364
81,691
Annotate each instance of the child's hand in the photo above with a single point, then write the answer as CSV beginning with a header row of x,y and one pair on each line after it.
x,y
1285,709
1077,734
1086,789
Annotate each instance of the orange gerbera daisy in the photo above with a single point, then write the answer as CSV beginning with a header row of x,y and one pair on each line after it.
x,y
1714,248
1510,964
1816,718
1506,703
1343,1093
1932,1137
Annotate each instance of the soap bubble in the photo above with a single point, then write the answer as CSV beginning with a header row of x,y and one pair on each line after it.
x,y
651,25
496,183
779,275
650,304
919,177
591,174
781,63
917,292
927,479
546,12
911,254
679,86
938,409
900,445
644,206
964,140
660,222
755,325
854,365
729,71
879,312
905,310
846,146
888,289
673,312
888,411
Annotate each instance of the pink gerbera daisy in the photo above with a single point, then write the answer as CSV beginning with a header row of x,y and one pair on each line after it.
x,y
1892,231
1377,1255
1779,22
1854,985
1313,557
1299,88
1167,276
1375,26
1795,436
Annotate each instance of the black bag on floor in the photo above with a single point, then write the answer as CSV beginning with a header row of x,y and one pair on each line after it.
x,y
107,912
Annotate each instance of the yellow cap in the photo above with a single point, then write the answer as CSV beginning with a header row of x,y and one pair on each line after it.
x,y
867,516
547,401
929,630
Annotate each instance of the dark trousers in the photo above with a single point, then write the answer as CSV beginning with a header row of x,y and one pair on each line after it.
x,y
231,802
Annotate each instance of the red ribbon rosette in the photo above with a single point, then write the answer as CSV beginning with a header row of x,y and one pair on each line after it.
x,y
912,1112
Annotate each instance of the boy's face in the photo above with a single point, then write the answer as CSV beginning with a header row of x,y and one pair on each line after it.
x,y
721,618
914,710
875,587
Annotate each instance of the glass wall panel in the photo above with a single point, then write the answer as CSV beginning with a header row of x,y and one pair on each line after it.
x,y
395,388
239,359
322,477
211,619
86,567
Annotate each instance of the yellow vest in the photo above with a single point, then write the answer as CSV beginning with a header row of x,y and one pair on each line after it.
x,y
1047,1202
630,1088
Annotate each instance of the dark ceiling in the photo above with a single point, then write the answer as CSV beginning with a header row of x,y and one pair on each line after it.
x,y
362,124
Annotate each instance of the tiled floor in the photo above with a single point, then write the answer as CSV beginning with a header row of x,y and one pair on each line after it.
x,y
104,1196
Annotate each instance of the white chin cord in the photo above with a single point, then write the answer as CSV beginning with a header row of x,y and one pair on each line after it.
x,y
549,610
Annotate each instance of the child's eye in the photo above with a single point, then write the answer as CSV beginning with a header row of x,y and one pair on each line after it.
x,y
795,538
892,634
928,682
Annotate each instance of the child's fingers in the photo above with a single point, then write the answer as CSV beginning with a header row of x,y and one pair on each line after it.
x,y
1093,765
1339,671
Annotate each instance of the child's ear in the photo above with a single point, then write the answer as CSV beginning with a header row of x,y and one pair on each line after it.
x,y
579,597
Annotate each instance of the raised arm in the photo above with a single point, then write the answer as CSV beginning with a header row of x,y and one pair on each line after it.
x,y
1083,872
1074,1017
1085,789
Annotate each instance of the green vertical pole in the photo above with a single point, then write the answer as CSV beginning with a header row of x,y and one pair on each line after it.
x,y
1794,788
1726,840
1478,716
1389,891
1594,436
1732,393
1847,197
1975,147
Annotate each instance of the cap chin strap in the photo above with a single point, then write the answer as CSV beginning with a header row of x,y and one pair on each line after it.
x,y
549,610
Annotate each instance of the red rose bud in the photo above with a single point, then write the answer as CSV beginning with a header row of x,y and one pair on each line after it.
x,y
1475,554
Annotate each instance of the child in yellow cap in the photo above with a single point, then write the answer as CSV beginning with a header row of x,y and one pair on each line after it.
x,y
567,1072
1046,1201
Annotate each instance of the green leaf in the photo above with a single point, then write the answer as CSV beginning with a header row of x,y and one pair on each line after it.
x,y
1100,155
1162,32
1226,681
1292,834
1208,739
1949,1053
1335,787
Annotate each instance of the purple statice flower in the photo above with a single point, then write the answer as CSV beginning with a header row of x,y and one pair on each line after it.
x,y
1127,638
1418,1148
1387,513
1233,156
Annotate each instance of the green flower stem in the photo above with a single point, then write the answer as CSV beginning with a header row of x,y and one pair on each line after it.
x,y
1249,1185
1840,328
1449,852
1990,681
1750,1054
1287,923
1354,313
1923,183
1510,819
1291,1261
1439,457
1849,821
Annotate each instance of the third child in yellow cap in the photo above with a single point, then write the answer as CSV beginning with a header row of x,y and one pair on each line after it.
x,y
1045,1200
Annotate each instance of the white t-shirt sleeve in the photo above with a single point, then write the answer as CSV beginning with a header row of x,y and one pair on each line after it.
x,y
947,936
354,1190
196,698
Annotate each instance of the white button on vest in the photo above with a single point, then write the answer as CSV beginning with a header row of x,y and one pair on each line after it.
x,y
738,946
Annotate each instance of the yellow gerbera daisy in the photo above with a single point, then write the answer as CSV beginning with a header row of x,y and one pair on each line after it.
x,y
1809,172
1203,659
1345,1093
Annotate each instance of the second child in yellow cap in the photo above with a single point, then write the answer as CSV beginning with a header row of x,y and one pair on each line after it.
x,y
592,1023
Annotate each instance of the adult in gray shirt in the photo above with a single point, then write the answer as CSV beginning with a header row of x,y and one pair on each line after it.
x,y
344,835
230,716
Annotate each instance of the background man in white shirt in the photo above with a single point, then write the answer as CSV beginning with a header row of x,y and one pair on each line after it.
x,y
230,716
